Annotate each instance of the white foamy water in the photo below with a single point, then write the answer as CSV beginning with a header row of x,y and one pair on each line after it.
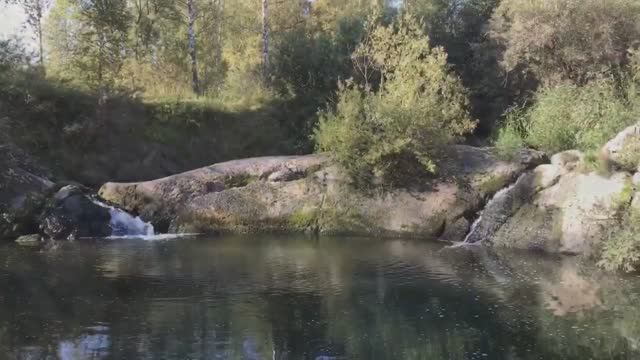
x,y
158,237
489,205
124,224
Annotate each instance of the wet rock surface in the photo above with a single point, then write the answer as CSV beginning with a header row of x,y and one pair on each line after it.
x,y
73,215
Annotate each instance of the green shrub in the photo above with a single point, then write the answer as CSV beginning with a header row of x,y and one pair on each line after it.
x,y
621,250
570,117
510,137
508,143
419,106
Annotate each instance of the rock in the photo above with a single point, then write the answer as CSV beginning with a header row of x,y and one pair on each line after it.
x,y
457,230
635,203
507,201
546,176
309,193
568,160
636,179
24,188
568,217
29,240
614,150
74,215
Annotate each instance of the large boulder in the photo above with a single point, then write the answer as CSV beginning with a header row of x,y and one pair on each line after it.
x,y
311,194
24,188
72,214
623,151
556,208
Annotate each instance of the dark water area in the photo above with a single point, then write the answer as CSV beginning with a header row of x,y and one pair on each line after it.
x,y
302,298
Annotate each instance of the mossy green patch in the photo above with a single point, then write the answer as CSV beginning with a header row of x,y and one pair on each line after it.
x,y
623,199
303,219
493,183
239,180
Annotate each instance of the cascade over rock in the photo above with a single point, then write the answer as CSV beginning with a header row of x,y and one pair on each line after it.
x,y
312,194
564,206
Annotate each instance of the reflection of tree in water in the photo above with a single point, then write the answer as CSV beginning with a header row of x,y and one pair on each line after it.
x,y
305,299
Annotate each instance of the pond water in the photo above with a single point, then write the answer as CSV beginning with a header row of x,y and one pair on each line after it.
x,y
303,298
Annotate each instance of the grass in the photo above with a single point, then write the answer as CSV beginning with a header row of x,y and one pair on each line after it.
x,y
130,139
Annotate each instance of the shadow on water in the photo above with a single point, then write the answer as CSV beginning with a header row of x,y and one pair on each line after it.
x,y
299,298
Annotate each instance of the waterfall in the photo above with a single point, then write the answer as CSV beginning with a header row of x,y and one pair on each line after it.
x,y
495,213
473,228
124,224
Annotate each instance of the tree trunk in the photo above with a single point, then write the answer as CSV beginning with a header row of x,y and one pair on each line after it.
x,y
192,13
265,38
38,22
39,34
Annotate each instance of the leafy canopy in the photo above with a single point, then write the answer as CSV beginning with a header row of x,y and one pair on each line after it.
x,y
565,40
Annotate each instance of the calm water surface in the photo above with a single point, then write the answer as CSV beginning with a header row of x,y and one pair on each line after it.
x,y
301,298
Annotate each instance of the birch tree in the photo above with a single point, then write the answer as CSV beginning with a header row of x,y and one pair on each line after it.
x,y
265,38
34,11
192,14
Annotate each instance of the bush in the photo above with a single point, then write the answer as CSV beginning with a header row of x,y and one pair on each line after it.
x,y
511,136
419,106
508,143
621,250
570,117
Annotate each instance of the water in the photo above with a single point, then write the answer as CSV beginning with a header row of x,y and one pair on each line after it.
x,y
125,225
300,298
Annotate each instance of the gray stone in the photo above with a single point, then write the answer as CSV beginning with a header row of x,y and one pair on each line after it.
x,y
636,179
569,217
568,160
74,215
318,196
28,240
613,150
23,192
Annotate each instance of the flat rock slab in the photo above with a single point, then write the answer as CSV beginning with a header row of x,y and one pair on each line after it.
x,y
311,194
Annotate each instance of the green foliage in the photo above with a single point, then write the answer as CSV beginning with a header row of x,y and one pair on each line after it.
x,y
510,138
508,143
418,107
621,250
56,123
12,55
570,117
565,40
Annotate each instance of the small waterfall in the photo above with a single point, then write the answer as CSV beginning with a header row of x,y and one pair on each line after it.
x,y
473,228
497,210
124,224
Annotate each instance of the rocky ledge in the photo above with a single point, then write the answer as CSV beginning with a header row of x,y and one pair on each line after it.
x,y
311,194
567,206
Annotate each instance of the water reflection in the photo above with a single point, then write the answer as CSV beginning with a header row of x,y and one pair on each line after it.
x,y
278,298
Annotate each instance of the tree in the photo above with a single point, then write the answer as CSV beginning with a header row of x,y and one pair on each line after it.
x,y
192,14
34,11
565,40
265,37
103,41
418,107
